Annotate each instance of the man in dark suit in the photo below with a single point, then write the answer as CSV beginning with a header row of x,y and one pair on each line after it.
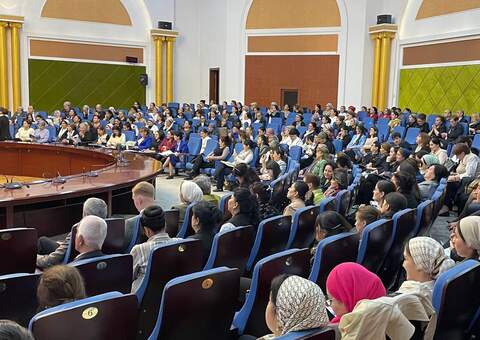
x,y
91,233
4,125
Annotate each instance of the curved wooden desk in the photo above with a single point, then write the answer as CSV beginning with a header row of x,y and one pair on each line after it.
x,y
54,208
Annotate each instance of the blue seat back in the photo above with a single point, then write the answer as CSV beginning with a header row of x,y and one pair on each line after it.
x,y
424,218
186,227
295,153
302,130
330,252
18,298
106,316
231,248
327,204
456,300
129,136
106,273
302,232
214,293
476,142
222,205
343,199
375,244
166,262
194,145
411,135
251,317
338,144
431,120
272,237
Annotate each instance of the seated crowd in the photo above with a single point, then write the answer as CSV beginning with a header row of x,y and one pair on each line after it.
x,y
316,155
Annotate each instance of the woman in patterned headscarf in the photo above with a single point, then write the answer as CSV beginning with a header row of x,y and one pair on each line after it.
x,y
467,237
295,304
424,260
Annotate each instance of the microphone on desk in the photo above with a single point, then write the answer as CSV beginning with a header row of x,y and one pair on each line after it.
x,y
59,179
11,185
121,161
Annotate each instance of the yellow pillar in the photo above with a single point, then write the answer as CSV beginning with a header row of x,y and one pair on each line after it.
x,y
384,70
16,77
3,65
170,41
376,69
158,69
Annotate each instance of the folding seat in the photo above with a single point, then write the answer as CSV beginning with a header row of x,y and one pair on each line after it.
x,y
251,317
343,199
231,248
383,133
465,128
272,237
290,118
186,227
18,297
166,262
194,134
327,204
194,145
277,126
106,316
114,242
307,117
368,122
171,222
129,136
400,129
211,145
403,228
106,273
302,232
431,120
139,125
361,115
277,186
256,127
173,105
382,122
456,300
325,333
338,144
424,218
330,252
18,250
222,205
198,306
476,142
52,133
302,130
295,153
411,135
375,243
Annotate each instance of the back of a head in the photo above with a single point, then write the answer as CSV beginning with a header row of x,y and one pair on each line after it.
x,y
204,183
312,179
247,203
209,215
263,191
10,330
190,192
396,201
153,218
332,223
368,214
59,285
96,207
144,189
272,165
385,186
405,181
301,188
93,229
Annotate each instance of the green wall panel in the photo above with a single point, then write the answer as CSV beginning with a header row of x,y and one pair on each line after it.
x,y
435,89
53,82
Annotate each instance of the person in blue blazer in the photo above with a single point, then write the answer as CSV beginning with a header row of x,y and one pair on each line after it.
x,y
181,148
146,139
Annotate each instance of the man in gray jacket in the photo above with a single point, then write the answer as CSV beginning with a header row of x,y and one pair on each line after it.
x,y
51,252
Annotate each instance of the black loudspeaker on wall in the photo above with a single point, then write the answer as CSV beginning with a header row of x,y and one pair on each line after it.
x,y
384,19
143,79
165,25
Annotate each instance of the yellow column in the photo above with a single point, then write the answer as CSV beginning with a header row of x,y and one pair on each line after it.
x,y
158,69
16,77
3,65
376,69
384,70
170,41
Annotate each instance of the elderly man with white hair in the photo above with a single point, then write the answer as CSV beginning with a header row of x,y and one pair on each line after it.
x,y
50,252
91,233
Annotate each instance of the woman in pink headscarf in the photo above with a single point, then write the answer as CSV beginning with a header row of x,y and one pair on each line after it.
x,y
347,284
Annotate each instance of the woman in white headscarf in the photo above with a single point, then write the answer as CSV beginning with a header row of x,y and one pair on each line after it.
x,y
466,239
190,193
424,260
295,304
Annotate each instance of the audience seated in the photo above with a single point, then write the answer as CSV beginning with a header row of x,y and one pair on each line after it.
x,y
205,185
152,219
329,223
25,133
244,209
41,134
91,233
318,165
143,196
392,203
347,284
59,285
10,330
337,183
224,168
432,176
296,194
295,304
181,147
406,185
466,238
50,252
189,193
365,215
263,192
327,177
315,193
221,153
